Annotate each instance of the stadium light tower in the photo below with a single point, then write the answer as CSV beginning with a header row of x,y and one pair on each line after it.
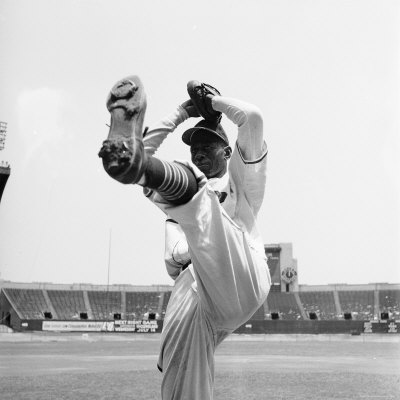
x,y
4,166
3,133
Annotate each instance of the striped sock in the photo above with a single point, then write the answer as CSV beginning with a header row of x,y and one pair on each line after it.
x,y
173,181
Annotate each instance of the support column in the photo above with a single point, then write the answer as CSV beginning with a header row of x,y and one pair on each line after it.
x,y
87,304
49,304
337,302
376,304
160,303
298,301
123,305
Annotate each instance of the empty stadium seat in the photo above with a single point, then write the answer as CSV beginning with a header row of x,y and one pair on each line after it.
x,y
104,304
167,296
320,303
358,303
140,303
29,303
284,304
389,302
68,304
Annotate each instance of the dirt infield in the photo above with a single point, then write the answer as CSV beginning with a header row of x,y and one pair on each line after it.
x,y
124,367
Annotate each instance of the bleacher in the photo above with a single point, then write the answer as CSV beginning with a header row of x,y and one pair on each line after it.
x,y
358,303
259,315
322,304
167,295
284,304
105,304
68,304
389,302
30,303
140,303
64,304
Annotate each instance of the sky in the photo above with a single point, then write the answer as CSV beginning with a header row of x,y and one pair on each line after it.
x,y
325,75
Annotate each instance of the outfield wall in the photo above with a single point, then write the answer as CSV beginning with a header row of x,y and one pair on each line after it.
x,y
250,327
319,327
131,326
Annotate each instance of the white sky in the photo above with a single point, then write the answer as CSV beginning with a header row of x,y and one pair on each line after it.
x,y
324,73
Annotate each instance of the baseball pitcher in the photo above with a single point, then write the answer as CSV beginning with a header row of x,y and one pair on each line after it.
x,y
213,250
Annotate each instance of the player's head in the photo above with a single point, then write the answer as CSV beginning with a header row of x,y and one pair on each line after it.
x,y
209,148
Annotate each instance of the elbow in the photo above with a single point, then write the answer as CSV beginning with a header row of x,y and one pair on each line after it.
x,y
251,116
254,114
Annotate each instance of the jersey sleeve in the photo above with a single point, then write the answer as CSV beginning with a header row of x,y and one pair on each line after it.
x,y
248,164
248,179
248,119
158,132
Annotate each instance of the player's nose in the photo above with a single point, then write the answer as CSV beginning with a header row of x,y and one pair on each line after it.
x,y
199,156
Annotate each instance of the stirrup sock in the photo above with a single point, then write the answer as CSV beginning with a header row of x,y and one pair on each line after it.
x,y
173,181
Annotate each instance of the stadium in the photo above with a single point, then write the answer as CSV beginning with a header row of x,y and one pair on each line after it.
x,y
101,341
289,308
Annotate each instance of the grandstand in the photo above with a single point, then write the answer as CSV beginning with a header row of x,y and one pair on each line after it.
x,y
283,306
20,302
359,304
319,304
28,303
389,301
105,304
36,306
67,304
142,304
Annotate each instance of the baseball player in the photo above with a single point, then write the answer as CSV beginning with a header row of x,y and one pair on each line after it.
x,y
213,249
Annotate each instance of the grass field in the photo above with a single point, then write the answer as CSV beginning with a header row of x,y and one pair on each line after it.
x,y
118,367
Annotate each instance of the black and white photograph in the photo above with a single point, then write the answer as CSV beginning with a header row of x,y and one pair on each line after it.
x,y
200,200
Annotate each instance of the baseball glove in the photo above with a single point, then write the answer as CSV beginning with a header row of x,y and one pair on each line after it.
x,y
201,95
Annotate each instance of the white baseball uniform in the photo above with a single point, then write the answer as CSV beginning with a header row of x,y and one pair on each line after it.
x,y
215,237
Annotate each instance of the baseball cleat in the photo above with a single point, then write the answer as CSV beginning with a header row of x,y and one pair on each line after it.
x,y
201,95
123,152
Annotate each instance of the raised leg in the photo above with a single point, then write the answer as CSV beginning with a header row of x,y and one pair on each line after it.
x,y
123,154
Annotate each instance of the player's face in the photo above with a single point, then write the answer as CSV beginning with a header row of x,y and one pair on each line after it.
x,y
210,155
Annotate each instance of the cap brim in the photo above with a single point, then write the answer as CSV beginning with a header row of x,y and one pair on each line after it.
x,y
188,135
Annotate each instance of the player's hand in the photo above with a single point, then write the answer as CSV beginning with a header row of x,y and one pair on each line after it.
x,y
190,109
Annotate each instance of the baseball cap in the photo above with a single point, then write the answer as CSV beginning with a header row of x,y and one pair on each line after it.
x,y
213,127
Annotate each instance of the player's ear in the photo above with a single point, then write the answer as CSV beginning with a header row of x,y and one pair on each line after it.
x,y
227,152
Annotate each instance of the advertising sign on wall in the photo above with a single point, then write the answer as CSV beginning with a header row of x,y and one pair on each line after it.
x,y
72,326
138,326
381,327
141,326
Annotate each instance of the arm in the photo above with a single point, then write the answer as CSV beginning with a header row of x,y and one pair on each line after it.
x,y
158,132
247,167
248,118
